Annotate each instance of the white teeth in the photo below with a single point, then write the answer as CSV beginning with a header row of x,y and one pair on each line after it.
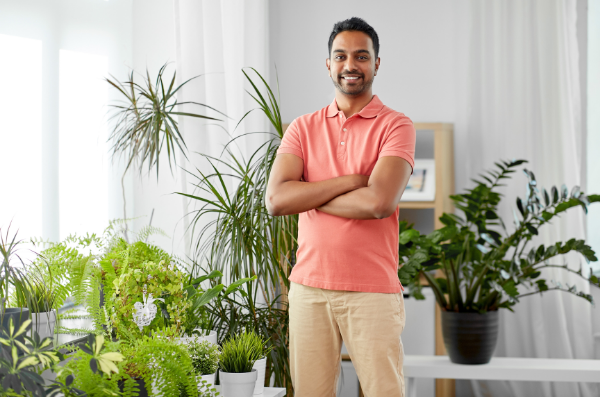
x,y
350,78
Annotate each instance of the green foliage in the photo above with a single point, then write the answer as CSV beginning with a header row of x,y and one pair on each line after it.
x,y
18,360
42,298
240,239
93,368
63,265
161,362
131,272
17,280
146,119
240,352
482,262
204,355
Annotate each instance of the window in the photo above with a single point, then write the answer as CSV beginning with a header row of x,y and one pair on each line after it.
x,y
21,135
82,153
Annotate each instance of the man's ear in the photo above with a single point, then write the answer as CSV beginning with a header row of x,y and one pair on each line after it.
x,y
328,64
377,62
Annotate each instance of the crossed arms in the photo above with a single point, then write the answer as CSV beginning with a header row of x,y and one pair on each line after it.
x,y
349,196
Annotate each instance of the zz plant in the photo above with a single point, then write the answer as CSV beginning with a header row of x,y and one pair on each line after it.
x,y
483,263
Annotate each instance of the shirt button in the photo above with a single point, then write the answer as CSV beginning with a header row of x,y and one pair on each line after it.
x,y
341,143
345,129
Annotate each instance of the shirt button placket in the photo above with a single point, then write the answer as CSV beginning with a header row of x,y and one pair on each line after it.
x,y
343,139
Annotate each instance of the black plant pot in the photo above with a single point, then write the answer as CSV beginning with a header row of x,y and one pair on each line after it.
x,y
18,314
470,338
141,385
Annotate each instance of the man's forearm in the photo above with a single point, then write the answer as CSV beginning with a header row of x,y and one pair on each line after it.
x,y
294,197
359,204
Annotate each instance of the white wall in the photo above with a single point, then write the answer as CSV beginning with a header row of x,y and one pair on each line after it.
x,y
422,46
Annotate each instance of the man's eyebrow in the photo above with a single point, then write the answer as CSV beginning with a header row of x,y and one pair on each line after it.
x,y
355,52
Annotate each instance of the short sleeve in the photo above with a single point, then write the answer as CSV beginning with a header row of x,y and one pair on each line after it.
x,y
400,142
291,141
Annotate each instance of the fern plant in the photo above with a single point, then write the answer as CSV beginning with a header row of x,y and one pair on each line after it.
x,y
162,363
482,261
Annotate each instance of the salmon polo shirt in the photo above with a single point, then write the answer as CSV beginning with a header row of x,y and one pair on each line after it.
x,y
338,253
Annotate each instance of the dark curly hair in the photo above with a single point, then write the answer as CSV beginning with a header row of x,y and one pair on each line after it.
x,y
358,25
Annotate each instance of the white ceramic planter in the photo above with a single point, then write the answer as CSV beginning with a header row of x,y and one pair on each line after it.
x,y
43,323
237,385
212,338
260,366
210,379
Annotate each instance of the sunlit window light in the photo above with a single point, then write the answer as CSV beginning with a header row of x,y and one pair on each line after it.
x,y
83,168
21,135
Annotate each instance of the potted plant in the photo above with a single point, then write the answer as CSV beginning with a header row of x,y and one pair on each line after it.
x,y
42,309
485,267
243,240
236,372
16,283
205,359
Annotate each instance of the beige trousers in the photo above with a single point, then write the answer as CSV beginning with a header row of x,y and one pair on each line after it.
x,y
369,323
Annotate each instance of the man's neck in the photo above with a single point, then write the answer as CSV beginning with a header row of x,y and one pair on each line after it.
x,y
351,105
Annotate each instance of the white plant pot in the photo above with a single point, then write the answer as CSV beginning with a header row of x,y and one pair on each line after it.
x,y
237,385
43,323
260,366
211,337
210,379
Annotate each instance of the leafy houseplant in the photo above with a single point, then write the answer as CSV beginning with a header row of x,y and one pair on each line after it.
x,y
205,359
244,239
162,363
483,263
19,361
238,356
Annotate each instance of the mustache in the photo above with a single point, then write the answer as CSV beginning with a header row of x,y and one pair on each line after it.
x,y
351,74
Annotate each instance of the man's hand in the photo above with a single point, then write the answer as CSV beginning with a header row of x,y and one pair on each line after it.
x,y
379,198
287,194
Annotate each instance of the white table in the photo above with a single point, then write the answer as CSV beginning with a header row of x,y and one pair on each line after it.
x,y
269,392
500,368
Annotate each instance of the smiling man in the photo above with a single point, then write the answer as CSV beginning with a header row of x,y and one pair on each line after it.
x,y
344,169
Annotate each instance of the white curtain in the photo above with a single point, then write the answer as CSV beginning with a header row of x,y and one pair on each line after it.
x,y
216,39
523,101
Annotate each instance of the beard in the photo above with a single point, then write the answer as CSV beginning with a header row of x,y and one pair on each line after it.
x,y
352,89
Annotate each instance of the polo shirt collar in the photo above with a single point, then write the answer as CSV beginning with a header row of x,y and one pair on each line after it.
x,y
371,110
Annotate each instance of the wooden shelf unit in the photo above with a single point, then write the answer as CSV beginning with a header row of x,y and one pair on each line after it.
x,y
443,154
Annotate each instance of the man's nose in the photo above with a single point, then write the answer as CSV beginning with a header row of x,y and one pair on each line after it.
x,y
350,65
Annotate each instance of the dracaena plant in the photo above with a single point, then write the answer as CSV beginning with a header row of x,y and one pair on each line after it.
x,y
234,234
484,265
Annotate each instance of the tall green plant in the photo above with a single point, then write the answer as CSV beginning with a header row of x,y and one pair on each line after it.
x,y
483,263
235,235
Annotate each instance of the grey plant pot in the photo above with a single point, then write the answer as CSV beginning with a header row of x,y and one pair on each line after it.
x,y
43,323
18,314
238,385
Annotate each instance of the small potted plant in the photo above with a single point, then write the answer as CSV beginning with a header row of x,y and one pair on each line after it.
x,y
238,355
42,308
205,359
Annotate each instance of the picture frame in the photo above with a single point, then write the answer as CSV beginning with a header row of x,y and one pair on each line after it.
x,y
421,185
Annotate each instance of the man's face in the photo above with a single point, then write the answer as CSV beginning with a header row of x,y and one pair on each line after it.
x,y
352,65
